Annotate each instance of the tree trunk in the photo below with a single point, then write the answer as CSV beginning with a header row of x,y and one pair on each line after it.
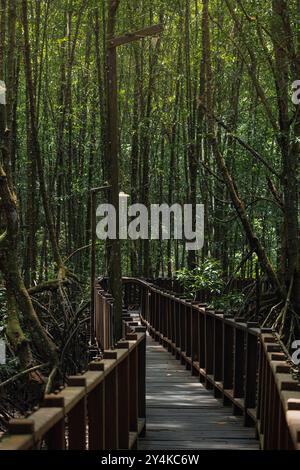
x,y
115,275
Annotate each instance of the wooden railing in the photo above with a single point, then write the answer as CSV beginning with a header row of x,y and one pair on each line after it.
x,y
103,317
101,409
104,408
204,294
243,365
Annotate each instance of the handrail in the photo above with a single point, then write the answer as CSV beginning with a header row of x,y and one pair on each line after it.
x,y
103,317
107,404
240,362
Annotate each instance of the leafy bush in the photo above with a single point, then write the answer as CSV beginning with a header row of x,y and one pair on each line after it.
x,y
231,301
206,276
209,276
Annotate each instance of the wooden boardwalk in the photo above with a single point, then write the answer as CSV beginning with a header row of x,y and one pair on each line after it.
x,y
182,414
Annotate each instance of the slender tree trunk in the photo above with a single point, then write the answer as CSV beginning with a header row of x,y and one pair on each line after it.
x,y
35,142
135,155
191,145
238,204
146,147
9,247
115,274
282,39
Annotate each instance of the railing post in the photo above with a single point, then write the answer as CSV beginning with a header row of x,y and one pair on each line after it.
x,y
77,418
111,405
96,416
261,388
173,323
155,313
209,348
149,298
239,366
264,390
188,333
161,316
274,416
218,353
142,384
182,330
177,328
252,360
122,400
133,390
55,438
202,355
195,336
267,406
168,332
228,341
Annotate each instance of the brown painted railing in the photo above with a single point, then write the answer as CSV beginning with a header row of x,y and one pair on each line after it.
x,y
101,409
204,294
104,408
103,317
242,364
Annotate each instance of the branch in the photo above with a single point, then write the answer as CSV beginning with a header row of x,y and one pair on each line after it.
x,y
239,206
244,144
212,173
252,68
153,30
277,196
51,380
3,237
21,374
244,259
47,286
77,251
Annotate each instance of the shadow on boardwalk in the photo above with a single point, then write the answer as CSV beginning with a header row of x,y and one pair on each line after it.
x,y
182,414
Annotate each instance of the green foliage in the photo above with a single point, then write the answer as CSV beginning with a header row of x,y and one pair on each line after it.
x,y
208,275
231,301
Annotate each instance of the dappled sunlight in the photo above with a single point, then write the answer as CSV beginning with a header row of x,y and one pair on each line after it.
x,y
178,405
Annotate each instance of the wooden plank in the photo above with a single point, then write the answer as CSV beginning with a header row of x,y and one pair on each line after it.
x,y
215,444
182,414
204,433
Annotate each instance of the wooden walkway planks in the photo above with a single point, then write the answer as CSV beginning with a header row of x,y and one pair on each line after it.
x,y
182,414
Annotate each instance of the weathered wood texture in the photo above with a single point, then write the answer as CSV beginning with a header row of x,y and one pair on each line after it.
x,y
182,414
